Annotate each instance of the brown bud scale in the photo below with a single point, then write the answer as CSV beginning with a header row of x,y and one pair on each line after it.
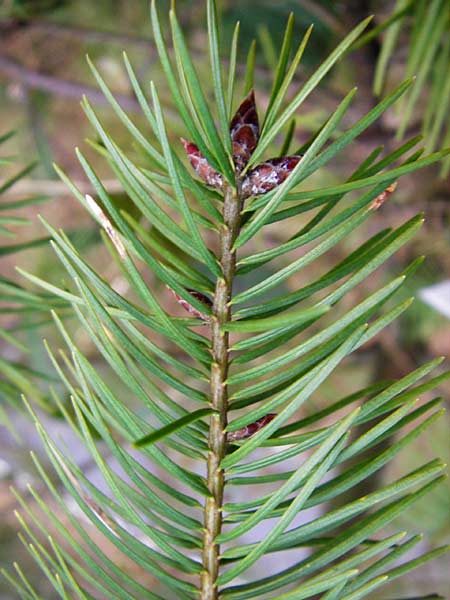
x,y
244,130
381,198
191,309
249,430
201,166
268,175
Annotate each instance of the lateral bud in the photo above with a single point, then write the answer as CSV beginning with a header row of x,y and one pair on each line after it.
x,y
268,175
191,309
201,166
249,430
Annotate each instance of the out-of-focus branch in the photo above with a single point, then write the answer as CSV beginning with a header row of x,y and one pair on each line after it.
x,y
85,33
70,89
323,15
49,187
60,87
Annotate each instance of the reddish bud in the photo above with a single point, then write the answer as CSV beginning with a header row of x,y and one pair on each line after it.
x,y
249,430
381,198
244,130
201,166
191,309
268,175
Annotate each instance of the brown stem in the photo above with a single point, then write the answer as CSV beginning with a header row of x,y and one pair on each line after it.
x,y
219,395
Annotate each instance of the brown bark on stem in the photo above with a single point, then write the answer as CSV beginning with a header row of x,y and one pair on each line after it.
x,y
221,314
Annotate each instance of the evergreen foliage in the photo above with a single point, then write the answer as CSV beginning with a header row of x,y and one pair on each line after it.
x,y
228,378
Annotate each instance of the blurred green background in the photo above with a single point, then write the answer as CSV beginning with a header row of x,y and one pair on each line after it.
x,y
43,75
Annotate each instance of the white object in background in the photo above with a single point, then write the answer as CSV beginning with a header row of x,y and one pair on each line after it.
x,y
437,296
